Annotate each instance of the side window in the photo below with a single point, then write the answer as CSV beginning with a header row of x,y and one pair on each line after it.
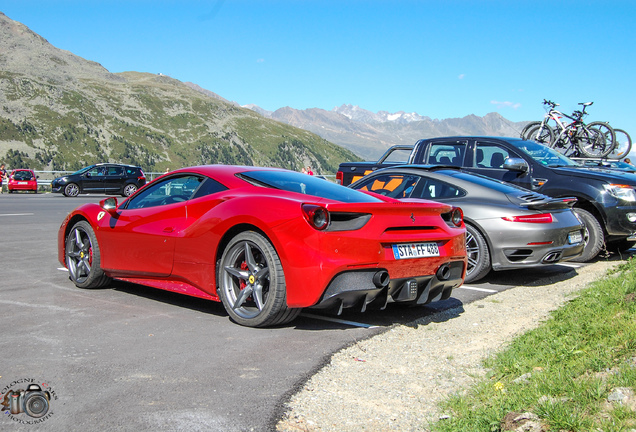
x,y
399,156
490,156
392,185
446,154
97,171
435,189
167,191
208,187
115,171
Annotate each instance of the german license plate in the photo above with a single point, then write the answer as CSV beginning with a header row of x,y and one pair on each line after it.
x,y
415,250
22,183
575,237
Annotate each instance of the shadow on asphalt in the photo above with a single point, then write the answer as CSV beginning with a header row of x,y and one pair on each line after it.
x,y
394,314
379,320
169,297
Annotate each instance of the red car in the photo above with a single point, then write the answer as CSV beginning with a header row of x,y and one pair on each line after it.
x,y
22,180
267,242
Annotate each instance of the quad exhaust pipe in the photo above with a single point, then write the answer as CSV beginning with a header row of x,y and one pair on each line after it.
x,y
381,279
444,272
552,257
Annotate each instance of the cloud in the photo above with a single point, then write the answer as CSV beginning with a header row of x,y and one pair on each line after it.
x,y
260,60
506,104
461,76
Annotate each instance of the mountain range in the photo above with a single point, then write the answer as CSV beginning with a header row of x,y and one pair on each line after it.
x,y
59,111
369,134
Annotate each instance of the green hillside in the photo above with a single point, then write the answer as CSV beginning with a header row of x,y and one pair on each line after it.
x,y
61,112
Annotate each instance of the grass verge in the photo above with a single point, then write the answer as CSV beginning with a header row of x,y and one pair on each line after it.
x,y
576,372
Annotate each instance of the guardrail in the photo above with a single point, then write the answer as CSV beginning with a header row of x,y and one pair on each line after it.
x,y
44,181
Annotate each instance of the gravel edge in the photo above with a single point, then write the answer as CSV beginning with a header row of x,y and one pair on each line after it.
x,y
395,380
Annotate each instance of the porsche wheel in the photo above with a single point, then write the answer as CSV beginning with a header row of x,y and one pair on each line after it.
x,y
83,257
478,255
71,190
251,282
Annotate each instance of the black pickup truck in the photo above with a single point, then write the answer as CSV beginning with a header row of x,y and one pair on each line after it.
x,y
606,197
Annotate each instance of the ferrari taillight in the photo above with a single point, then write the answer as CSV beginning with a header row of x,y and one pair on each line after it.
x,y
535,218
454,218
317,216
457,216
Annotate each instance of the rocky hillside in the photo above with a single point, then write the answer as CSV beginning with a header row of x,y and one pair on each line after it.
x,y
59,111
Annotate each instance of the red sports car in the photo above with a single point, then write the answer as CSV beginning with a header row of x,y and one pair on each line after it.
x,y
267,242
22,180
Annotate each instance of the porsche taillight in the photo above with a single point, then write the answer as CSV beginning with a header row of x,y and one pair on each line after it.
x,y
317,216
535,218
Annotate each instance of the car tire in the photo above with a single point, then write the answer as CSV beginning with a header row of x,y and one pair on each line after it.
x,y
592,236
71,190
129,189
478,255
251,282
83,257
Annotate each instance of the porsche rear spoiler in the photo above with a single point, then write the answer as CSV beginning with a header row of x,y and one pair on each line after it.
x,y
552,204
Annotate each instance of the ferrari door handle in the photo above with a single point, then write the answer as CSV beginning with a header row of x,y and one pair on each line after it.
x,y
168,229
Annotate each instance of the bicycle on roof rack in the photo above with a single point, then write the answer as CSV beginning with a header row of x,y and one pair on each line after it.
x,y
596,139
623,145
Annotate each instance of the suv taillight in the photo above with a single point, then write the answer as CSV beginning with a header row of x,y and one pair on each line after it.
x,y
339,177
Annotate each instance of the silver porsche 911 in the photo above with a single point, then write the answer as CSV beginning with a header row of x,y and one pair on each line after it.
x,y
506,227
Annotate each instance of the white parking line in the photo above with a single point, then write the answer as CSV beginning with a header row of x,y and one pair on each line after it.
x,y
62,269
336,320
472,288
16,214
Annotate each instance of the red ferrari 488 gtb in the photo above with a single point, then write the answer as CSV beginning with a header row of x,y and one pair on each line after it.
x,y
267,242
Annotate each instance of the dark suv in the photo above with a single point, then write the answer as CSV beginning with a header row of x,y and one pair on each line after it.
x,y
606,198
103,178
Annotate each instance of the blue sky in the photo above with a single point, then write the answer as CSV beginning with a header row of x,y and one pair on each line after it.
x,y
443,59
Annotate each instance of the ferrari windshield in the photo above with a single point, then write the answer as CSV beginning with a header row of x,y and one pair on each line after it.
x,y
544,155
306,184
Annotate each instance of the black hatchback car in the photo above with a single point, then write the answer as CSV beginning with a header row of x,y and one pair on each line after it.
x,y
104,178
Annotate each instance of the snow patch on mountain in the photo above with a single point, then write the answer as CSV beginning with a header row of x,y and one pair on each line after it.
x,y
356,113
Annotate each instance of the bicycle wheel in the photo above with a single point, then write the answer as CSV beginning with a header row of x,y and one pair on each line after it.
x,y
593,142
541,134
607,131
623,144
526,128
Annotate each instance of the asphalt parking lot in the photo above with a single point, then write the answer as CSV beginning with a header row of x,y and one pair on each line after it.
x,y
129,357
